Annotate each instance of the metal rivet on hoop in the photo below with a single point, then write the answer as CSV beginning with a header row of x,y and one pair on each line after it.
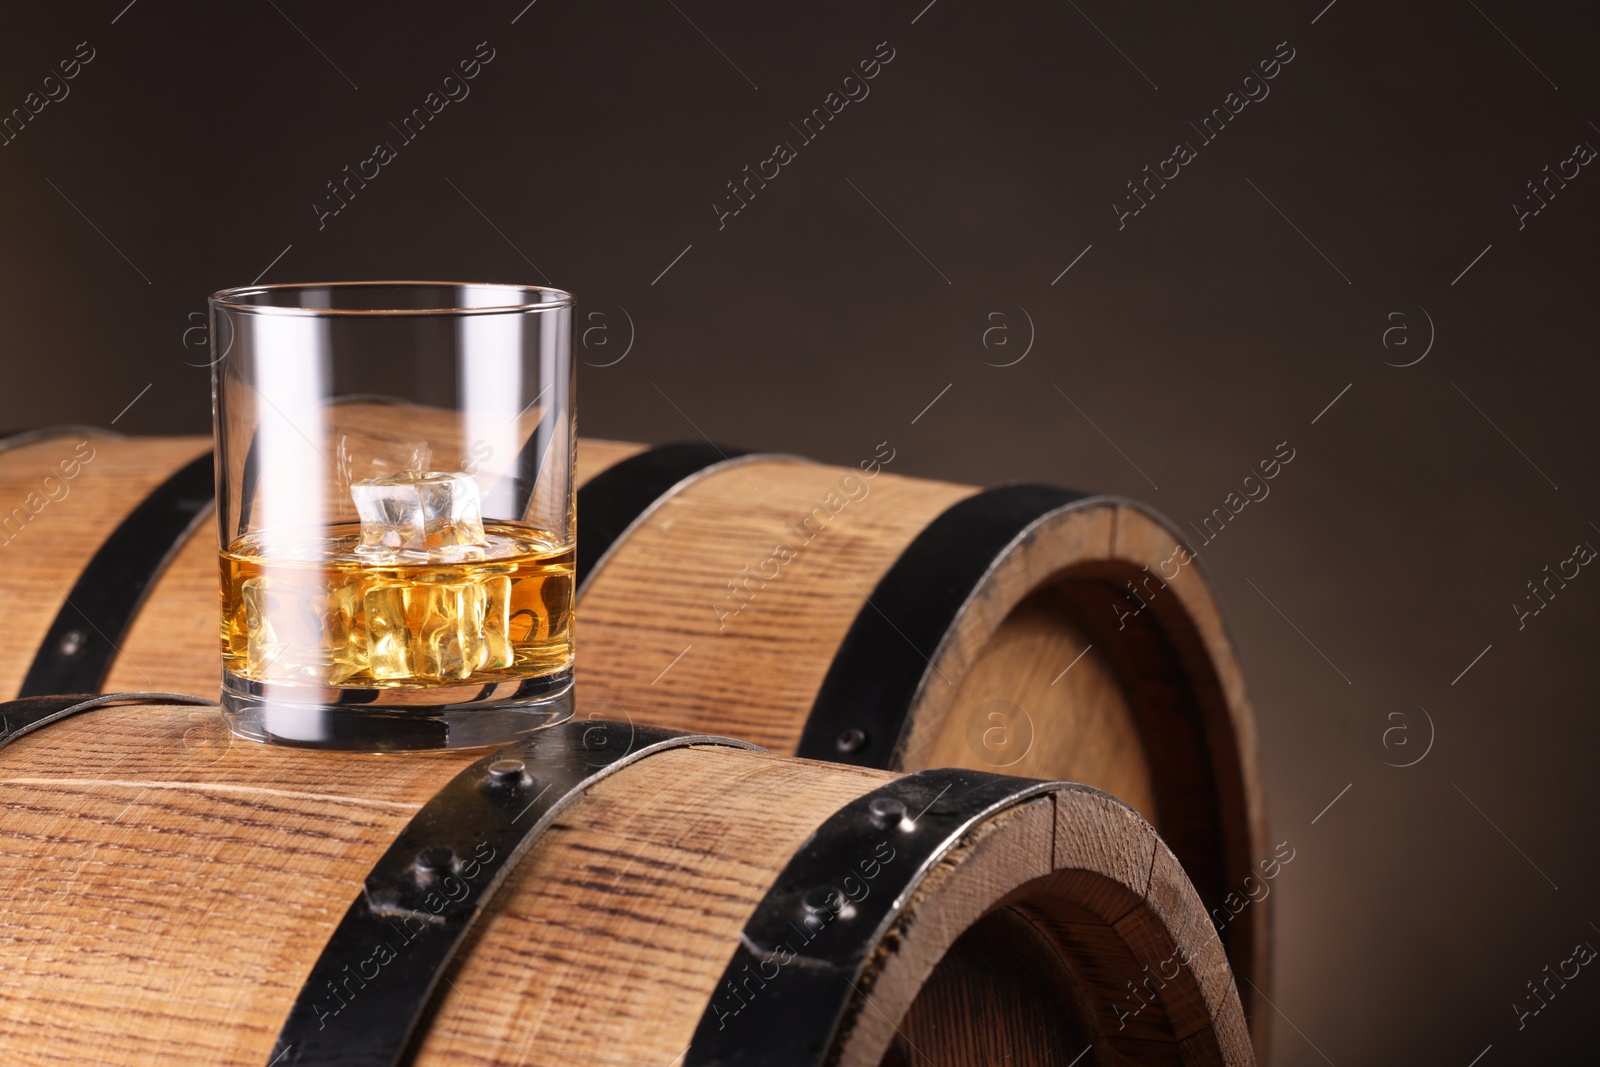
x,y
434,861
850,739
886,811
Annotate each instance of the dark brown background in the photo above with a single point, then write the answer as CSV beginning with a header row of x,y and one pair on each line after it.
x,y
1197,338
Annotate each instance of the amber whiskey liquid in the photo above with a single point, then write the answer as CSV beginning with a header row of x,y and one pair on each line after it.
x,y
309,610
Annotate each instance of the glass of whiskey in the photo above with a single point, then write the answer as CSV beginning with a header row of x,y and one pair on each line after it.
x,y
395,502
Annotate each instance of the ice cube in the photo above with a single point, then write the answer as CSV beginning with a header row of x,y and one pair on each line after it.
x,y
375,454
497,622
420,514
302,631
450,641
388,643
338,615
264,646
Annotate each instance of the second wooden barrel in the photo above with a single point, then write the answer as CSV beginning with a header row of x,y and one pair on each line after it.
x,y
597,894
850,614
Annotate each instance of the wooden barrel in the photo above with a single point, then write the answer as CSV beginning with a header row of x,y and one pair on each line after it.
x,y
848,614
178,895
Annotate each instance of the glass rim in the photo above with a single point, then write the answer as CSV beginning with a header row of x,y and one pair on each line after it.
x,y
235,299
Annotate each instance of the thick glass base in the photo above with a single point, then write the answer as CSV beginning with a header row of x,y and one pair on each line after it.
x,y
395,720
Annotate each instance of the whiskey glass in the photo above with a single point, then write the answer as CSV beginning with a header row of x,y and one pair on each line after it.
x,y
395,505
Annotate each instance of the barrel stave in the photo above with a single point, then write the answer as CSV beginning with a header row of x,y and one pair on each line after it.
x,y
53,524
705,570
610,939
202,880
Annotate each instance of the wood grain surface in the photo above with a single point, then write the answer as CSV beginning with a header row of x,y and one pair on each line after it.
x,y
667,590
66,520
